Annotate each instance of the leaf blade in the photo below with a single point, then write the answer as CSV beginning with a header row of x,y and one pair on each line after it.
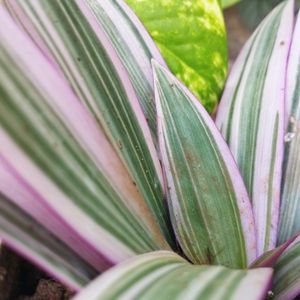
x,y
290,203
134,47
164,275
286,283
33,241
270,258
192,38
202,180
62,157
251,126
100,81
21,194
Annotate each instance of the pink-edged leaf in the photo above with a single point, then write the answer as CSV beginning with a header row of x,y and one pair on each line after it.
x,y
165,275
210,209
128,36
53,152
18,191
134,46
290,194
28,237
251,117
286,282
269,259
97,75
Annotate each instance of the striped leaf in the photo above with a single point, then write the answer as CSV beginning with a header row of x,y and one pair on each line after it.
x,y
209,205
18,191
251,117
286,283
192,38
290,194
69,33
134,47
24,234
164,275
269,259
53,151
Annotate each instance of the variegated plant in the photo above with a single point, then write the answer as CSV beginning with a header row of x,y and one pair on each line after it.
x,y
105,156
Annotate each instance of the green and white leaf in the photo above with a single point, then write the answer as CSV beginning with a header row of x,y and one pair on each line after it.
x,y
208,202
192,38
100,81
270,258
134,47
290,194
286,283
251,117
165,275
20,231
17,189
59,151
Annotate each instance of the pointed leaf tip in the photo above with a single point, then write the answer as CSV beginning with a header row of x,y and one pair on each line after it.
x,y
96,72
290,193
286,282
251,117
59,156
209,205
191,36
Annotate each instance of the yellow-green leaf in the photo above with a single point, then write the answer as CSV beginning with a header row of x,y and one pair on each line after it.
x,y
192,38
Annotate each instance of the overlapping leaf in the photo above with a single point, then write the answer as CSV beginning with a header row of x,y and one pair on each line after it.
x,y
209,205
18,191
134,47
192,38
251,117
68,32
54,153
24,234
164,275
270,258
290,196
286,283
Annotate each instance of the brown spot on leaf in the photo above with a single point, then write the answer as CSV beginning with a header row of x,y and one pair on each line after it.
x,y
120,145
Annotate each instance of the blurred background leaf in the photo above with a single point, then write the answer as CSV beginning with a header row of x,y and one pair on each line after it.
x,y
192,38
227,3
253,11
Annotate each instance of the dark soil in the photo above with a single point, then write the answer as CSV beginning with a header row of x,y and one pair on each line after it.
x,y
20,280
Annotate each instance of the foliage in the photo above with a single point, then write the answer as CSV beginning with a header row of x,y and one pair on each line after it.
x,y
252,12
108,159
191,36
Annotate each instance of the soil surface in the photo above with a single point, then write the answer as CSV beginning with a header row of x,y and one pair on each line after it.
x,y
20,280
